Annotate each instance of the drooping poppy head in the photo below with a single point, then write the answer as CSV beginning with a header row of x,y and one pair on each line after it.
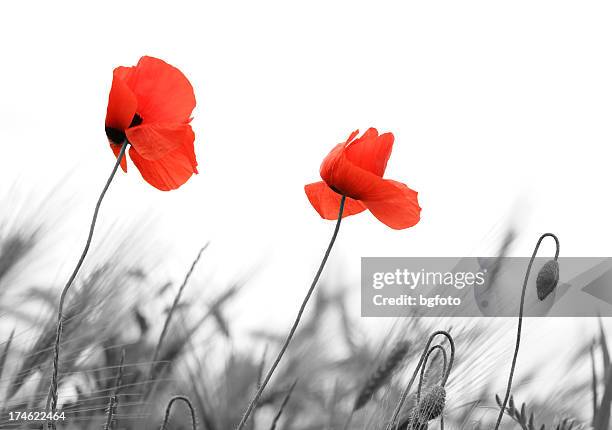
x,y
548,278
150,105
355,169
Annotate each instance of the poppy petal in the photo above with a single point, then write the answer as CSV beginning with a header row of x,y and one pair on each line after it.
x,y
164,93
340,174
116,150
394,204
155,141
327,202
352,136
122,105
371,151
167,173
122,72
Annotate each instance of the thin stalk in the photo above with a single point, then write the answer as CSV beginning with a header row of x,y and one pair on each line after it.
x,y
263,385
5,351
379,377
58,333
185,399
392,424
520,323
113,401
175,303
260,372
282,406
423,367
594,383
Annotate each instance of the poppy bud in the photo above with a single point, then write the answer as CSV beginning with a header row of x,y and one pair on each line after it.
x,y
548,277
412,421
432,403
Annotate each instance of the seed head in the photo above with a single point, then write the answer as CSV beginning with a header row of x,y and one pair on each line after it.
x,y
548,277
382,374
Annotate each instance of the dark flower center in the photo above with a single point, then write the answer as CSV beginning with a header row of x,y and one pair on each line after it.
x,y
118,136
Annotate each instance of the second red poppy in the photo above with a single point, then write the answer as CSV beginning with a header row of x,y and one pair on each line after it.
x,y
355,169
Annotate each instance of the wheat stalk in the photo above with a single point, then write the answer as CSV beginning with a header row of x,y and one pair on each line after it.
x,y
177,298
5,351
113,401
282,406
382,374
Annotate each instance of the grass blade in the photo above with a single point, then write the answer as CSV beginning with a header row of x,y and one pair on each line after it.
x,y
5,351
283,404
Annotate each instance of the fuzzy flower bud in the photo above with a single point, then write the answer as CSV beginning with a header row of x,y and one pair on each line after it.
x,y
548,277
432,403
412,421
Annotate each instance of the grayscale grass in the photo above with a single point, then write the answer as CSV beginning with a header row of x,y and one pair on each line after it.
x,y
122,301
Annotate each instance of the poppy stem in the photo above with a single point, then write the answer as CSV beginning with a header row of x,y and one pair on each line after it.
x,y
393,425
262,386
194,424
423,367
60,323
520,323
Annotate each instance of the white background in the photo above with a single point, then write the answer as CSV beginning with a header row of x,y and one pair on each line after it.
x,y
501,111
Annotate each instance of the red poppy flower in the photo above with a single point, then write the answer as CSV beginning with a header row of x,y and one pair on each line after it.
x,y
355,169
150,105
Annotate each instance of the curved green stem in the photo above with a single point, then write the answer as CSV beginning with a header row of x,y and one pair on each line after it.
x,y
60,322
293,329
520,323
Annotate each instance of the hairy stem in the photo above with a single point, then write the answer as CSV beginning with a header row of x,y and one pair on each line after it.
x,y
520,323
263,385
58,333
423,367
392,423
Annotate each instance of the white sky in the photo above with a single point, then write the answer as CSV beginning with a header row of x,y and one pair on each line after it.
x,y
500,109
